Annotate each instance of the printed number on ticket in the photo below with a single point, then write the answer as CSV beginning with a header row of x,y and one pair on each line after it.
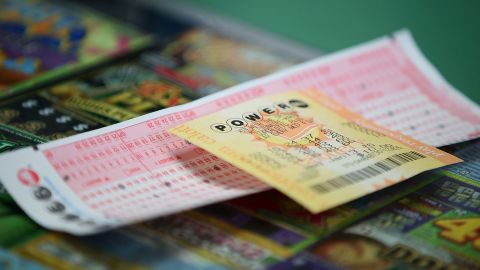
x,y
311,148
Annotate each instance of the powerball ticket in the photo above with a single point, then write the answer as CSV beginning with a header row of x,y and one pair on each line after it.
x,y
136,170
311,148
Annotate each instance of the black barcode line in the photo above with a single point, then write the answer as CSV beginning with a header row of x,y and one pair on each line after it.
x,y
367,172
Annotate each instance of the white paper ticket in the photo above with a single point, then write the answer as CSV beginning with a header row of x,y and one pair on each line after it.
x,y
136,170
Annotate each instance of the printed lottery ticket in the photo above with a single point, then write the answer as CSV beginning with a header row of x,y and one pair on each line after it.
x,y
136,170
310,148
102,251
41,41
208,62
12,138
257,231
37,113
11,261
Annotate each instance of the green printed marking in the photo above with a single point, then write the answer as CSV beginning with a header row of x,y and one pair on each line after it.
x,y
7,145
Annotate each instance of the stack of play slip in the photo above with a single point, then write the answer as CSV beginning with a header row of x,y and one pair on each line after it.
x,y
324,133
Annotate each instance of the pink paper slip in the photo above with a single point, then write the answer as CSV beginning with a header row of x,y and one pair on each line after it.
x,y
135,170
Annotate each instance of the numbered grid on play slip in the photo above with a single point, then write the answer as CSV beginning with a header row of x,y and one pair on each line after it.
x,y
382,78
139,171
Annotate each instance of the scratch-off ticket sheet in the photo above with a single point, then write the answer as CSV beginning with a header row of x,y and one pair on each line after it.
x,y
437,226
42,40
136,170
311,148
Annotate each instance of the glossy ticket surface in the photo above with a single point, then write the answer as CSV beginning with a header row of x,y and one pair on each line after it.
x,y
435,227
136,170
42,40
311,148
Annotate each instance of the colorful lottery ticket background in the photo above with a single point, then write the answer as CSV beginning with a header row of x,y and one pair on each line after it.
x,y
435,226
311,148
136,170
40,40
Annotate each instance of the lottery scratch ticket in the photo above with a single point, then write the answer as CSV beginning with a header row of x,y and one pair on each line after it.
x,y
435,227
310,148
136,170
41,40
14,262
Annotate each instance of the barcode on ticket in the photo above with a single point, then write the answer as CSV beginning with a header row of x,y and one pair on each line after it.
x,y
367,172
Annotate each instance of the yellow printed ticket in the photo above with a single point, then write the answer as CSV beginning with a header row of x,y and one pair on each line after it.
x,y
311,148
